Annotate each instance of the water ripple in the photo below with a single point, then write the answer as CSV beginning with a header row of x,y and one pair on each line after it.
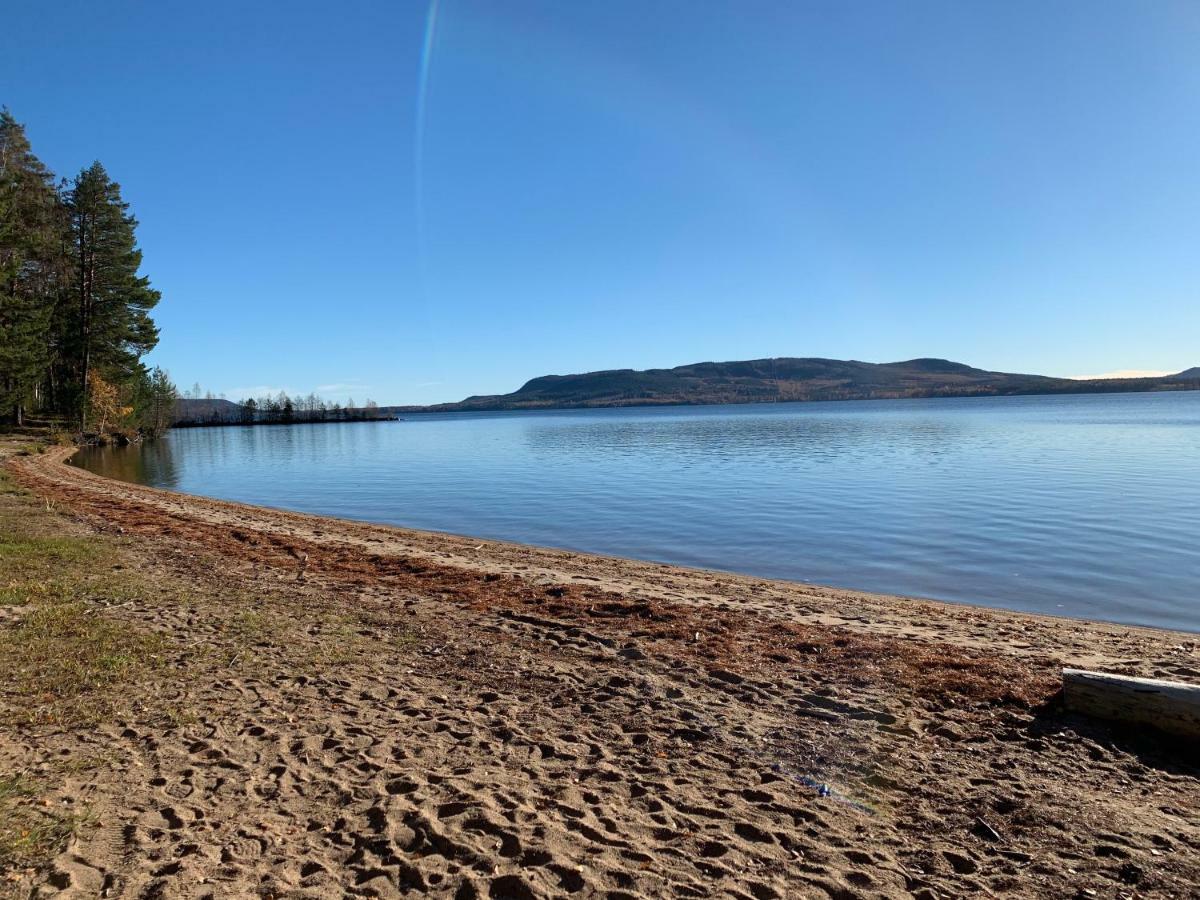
x,y
1085,506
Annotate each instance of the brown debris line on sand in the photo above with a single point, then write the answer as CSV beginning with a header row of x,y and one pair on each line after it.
x,y
365,551
565,723
725,638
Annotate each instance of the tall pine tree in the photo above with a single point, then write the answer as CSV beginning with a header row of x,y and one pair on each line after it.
x,y
31,268
109,324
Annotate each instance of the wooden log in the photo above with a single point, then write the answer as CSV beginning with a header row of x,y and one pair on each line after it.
x,y
1170,706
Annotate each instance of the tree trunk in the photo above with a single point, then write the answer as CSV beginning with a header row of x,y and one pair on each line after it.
x,y
1171,706
87,264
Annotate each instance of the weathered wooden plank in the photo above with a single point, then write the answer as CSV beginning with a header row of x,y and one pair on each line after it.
x,y
1170,706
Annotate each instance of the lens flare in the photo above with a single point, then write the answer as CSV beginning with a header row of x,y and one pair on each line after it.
x,y
431,19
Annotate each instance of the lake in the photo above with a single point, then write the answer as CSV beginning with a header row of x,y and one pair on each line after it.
x,y
1081,506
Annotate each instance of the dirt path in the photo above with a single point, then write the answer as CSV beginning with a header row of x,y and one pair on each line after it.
x,y
369,711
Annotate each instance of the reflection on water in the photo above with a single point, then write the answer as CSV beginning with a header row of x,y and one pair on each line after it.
x,y
1084,505
149,464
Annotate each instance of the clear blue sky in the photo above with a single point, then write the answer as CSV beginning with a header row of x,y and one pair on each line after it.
x,y
1015,185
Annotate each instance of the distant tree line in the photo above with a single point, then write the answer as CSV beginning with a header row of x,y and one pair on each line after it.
x,y
74,310
198,393
282,409
273,409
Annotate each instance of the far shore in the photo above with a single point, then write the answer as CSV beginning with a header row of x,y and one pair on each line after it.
x,y
469,407
419,711
239,424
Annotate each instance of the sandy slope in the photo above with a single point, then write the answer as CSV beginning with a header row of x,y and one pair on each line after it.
x,y
520,722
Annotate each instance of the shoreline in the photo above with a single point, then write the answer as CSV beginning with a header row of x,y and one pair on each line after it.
x,y
239,424
468,717
629,572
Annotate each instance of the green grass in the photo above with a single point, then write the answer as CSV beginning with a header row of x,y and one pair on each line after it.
x,y
32,535
38,562
39,569
405,640
15,786
30,834
64,660
65,663
250,625
70,656
44,553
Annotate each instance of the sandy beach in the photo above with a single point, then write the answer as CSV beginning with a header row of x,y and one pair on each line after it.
x,y
344,709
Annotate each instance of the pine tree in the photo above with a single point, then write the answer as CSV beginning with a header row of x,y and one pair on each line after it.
x,y
161,396
30,267
109,326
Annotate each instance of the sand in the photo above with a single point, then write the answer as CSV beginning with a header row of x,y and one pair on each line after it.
x,y
510,721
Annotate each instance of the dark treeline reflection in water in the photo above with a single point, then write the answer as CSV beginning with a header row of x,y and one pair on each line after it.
x,y
1086,506
151,463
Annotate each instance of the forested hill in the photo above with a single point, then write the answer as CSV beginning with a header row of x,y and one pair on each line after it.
x,y
790,379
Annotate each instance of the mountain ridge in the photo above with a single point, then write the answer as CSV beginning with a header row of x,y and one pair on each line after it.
x,y
791,379
767,380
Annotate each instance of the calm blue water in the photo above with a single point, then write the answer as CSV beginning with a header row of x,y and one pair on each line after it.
x,y
1083,506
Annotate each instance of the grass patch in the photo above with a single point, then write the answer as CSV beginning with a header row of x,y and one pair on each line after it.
x,y
80,652
30,834
44,553
249,625
406,640
329,640
35,541
337,643
176,715
15,786
66,662
77,765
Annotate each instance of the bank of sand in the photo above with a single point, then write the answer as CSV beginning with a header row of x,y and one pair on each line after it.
x,y
509,721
